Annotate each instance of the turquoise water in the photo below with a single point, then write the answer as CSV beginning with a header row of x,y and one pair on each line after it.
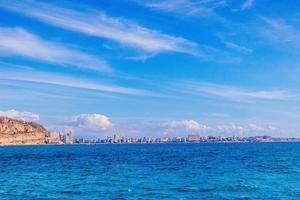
x,y
151,171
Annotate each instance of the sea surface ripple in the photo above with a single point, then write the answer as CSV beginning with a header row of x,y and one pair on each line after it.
x,y
151,171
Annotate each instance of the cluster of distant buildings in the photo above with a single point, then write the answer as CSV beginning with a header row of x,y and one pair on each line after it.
x,y
59,138
192,138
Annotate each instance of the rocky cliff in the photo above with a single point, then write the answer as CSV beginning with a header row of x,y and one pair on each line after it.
x,y
20,132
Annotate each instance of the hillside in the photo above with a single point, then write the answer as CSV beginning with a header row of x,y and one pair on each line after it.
x,y
20,132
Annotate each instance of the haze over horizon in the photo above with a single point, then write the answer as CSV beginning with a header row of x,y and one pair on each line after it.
x,y
213,67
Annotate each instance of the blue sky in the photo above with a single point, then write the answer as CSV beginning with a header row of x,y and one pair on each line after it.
x,y
155,68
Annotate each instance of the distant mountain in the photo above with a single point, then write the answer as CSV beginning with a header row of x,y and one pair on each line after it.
x,y
20,132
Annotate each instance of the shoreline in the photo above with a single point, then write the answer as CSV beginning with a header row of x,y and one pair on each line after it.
x,y
231,142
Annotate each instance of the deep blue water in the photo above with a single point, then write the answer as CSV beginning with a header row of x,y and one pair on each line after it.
x,y
151,171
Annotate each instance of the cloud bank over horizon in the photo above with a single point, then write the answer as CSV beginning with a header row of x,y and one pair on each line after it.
x,y
99,126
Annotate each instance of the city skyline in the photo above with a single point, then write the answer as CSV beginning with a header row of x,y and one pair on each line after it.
x,y
195,138
170,68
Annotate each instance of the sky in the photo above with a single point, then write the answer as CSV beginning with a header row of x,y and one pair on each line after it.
x,y
152,67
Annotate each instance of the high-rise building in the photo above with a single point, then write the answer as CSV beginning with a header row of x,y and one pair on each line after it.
x,y
54,138
117,138
68,138
194,138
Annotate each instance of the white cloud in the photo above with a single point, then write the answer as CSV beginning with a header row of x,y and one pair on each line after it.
x,y
66,81
238,48
279,30
247,4
91,122
97,125
25,116
232,92
185,7
101,25
245,129
189,125
216,115
17,41
192,126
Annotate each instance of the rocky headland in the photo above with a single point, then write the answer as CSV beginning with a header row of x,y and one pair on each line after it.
x,y
14,132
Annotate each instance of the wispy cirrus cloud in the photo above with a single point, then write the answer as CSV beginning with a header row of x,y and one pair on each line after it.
x,y
185,7
100,25
279,30
247,4
230,43
216,115
19,42
232,92
38,77
238,47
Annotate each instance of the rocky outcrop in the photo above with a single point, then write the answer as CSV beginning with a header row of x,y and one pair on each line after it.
x,y
20,132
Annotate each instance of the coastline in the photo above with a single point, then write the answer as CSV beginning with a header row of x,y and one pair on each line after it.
x,y
154,143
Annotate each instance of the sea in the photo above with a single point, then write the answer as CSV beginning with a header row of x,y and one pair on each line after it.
x,y
151,171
